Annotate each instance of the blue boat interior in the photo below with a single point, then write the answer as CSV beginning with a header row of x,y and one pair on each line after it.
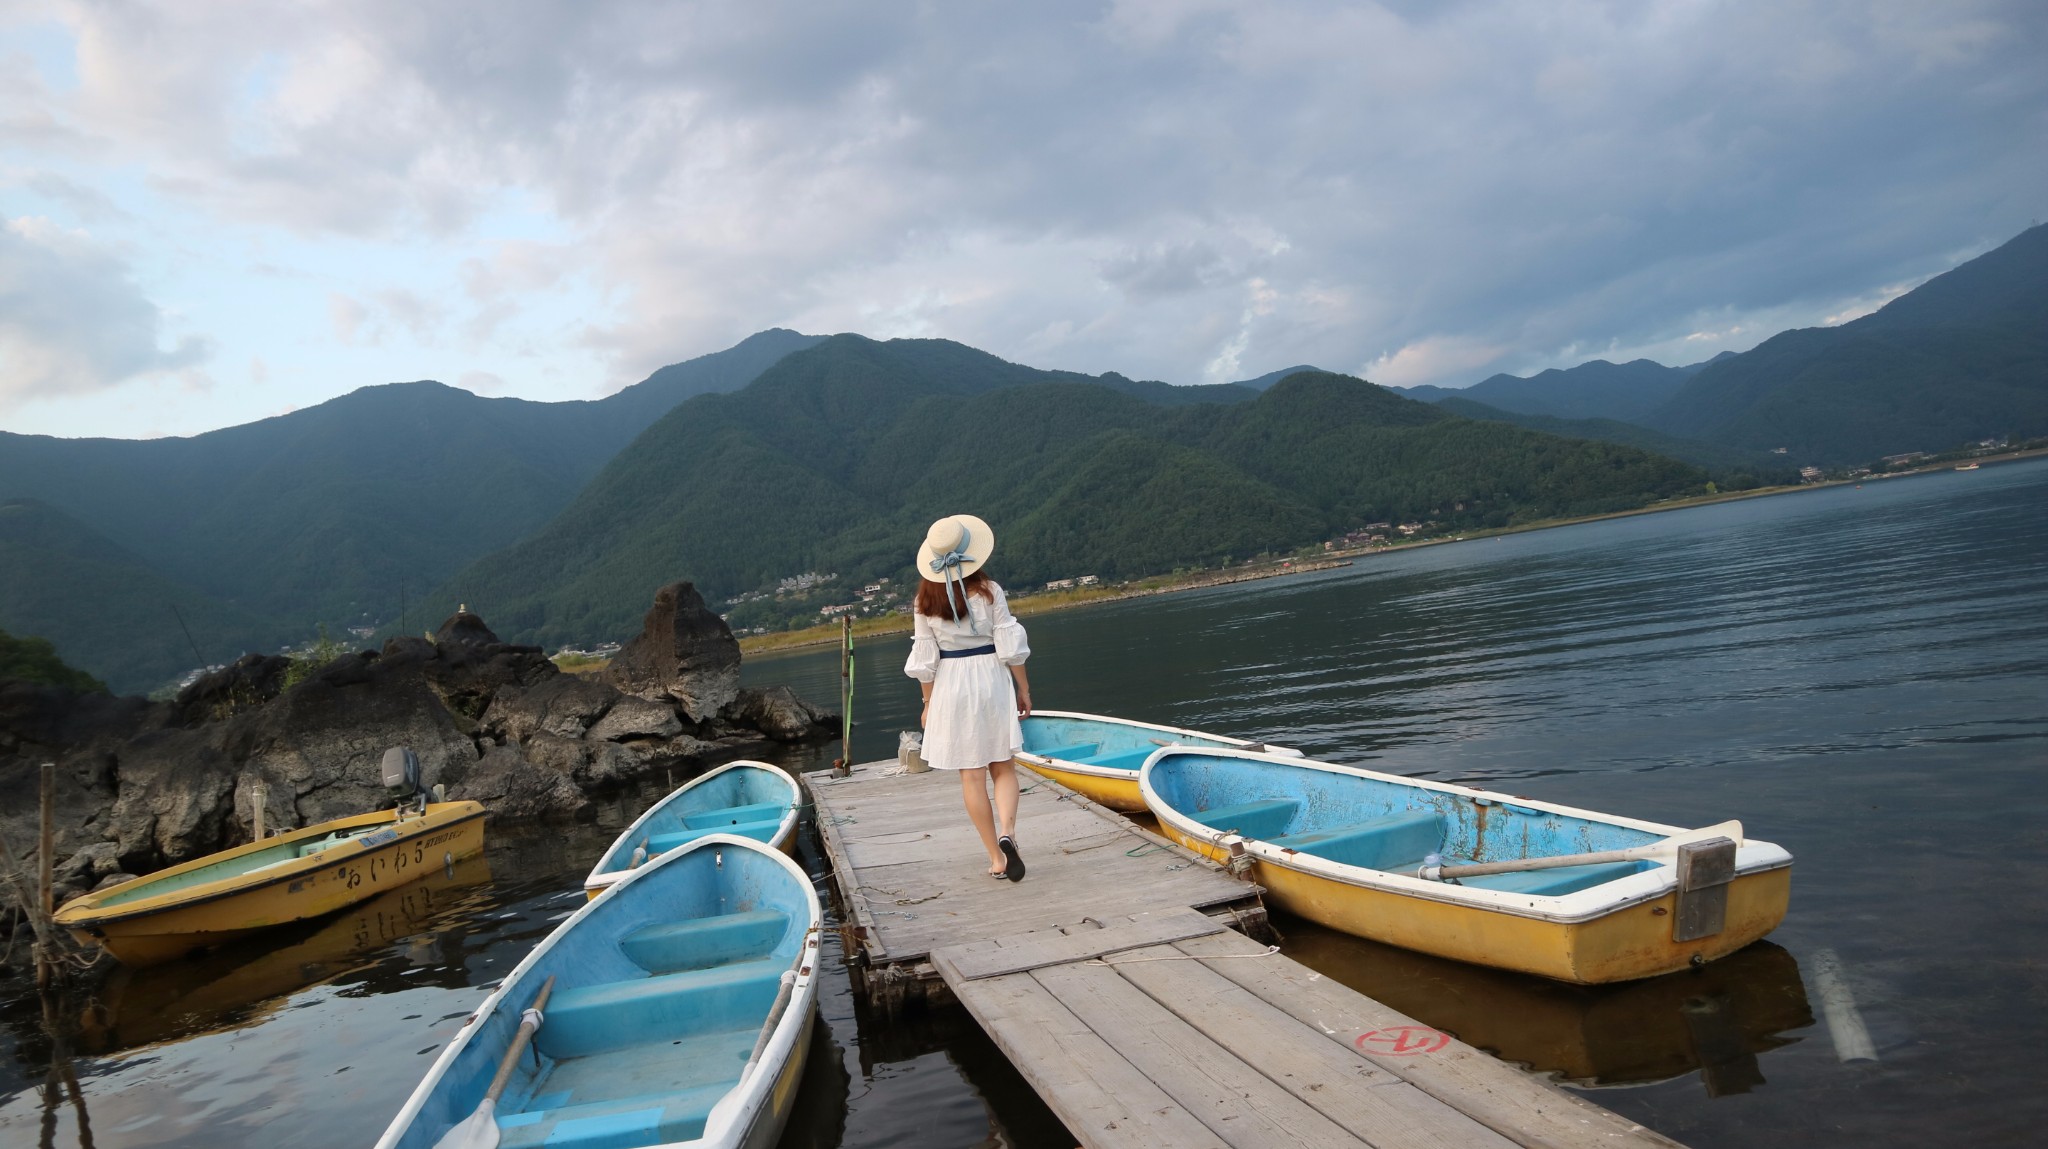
x,y
660,993
1094,742
748,800
1389,826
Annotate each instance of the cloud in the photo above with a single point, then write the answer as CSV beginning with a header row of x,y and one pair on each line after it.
x,y
73,321
350,321
1433,190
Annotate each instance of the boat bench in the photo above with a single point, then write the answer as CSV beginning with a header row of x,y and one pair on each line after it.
x,y
702,943
589,1019
759,831
1557,882
1261,819
1120,760
653,1119
734,815
1381,844
1071,753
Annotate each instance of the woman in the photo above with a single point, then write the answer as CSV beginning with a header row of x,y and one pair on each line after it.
x,y
968,655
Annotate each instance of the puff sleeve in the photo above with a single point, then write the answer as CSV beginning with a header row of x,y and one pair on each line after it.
x,y
923,663
1013,646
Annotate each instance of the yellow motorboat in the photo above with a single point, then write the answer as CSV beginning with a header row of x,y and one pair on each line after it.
x,y
1472,874
293,876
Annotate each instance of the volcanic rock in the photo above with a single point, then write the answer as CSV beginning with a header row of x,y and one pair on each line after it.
x,y
777,712
684,651
634,717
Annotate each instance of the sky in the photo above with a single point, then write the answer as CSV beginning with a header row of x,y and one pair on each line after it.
x,y
214,213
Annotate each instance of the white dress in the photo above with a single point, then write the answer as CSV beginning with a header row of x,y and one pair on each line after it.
x,y
973,716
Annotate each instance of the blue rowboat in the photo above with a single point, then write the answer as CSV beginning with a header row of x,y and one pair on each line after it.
x,y
1575,895
668,1023
750,799
1098,756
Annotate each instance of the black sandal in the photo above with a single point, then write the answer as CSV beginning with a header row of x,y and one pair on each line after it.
x,y
1015,870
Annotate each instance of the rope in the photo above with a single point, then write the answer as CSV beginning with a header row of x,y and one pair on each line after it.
x,y
1145,848
1270,951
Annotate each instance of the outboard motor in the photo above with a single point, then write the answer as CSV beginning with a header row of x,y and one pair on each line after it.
x,y
401,773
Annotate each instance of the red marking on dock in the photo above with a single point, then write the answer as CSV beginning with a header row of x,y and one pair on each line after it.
x,y
1403,1040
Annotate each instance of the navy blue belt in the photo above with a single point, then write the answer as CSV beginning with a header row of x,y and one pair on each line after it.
x,y
989,649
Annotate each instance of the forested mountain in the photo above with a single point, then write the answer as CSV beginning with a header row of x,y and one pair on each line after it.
x,y
107,610
1595,389
836,460
322,515
1272,377
1734,469
1963,356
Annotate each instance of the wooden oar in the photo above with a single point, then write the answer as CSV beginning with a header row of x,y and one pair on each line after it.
x,y
480,1129
1730,830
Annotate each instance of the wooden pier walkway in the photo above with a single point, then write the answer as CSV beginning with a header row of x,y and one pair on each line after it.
x,y
1111,977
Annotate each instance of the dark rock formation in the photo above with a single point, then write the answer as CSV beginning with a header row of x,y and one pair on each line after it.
x,y
777,712
684,652
565,704
632,718
142,785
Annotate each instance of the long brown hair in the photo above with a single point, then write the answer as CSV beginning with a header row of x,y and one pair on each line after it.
x,y
934,601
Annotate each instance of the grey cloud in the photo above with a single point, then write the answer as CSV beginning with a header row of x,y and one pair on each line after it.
x,y
1071,183
72,319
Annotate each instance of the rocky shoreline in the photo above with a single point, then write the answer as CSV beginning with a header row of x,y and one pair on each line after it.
x,y
142,785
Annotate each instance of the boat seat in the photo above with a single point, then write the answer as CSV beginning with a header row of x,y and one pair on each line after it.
x,y
702,943
588,1019
1260,819
1074,753
1557,882
734,815
651,1119
1122,760
1380,844
759,831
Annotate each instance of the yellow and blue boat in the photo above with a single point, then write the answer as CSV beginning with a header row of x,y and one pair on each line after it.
x,y
291,877
1098,757
1472,874
750,799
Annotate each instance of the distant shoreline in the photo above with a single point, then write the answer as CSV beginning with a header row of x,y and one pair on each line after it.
x,y
826,634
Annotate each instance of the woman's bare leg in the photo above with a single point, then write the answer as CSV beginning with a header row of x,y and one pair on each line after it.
x,y
1004,777
974,795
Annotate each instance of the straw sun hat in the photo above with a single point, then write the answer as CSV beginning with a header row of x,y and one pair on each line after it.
x,y
963,533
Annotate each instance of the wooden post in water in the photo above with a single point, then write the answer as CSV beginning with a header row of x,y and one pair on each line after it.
x,y
845,764
46,842
259,798
46,879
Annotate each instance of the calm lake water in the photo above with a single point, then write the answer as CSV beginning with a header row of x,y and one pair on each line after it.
x,y
1860,675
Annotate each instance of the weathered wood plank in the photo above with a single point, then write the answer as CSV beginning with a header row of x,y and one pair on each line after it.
x,y
843,871
1517,1106
1235,1101
1052,947
1337,1082
1103,1100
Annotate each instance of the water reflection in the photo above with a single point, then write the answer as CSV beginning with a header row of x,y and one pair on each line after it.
x,y
1715,1019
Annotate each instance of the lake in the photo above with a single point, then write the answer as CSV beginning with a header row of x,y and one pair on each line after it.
x,y
1860,674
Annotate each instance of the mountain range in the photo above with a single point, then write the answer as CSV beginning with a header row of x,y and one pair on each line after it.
x,y
790,452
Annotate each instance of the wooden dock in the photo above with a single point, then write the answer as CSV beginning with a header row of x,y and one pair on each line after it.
x,y
1111,977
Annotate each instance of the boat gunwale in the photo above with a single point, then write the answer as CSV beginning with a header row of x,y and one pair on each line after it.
x,y
238,884
600,879
1754,856
802,1001
1033,758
